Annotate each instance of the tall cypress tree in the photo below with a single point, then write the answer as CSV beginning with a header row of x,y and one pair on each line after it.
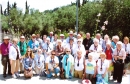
x,y
26,8
1,11
84,2
8,7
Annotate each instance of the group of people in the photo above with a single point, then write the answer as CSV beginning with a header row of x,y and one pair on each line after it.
x,y
99,59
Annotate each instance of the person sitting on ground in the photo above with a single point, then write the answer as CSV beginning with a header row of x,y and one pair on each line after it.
x,y
52,65
28,64
39,62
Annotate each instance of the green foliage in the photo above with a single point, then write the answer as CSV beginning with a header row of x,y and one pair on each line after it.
x,y
63,19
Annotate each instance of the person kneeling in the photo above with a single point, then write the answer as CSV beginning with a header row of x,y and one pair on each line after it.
x,y
52,65
28,64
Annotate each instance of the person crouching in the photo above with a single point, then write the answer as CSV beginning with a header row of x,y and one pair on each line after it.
x,y
52,65
28,64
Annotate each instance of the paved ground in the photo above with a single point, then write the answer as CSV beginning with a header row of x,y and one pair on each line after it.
x,y
43,80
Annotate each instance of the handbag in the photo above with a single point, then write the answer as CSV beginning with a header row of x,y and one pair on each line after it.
x,y
28,73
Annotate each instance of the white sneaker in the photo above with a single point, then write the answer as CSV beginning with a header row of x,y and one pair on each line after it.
x,y
115,81
111,78
14,76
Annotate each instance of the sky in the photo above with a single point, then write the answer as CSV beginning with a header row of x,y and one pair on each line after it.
x,y
42,5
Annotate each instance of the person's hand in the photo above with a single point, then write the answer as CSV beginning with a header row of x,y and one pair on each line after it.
x,y
10,62
52,69
30,68
47,72
94,75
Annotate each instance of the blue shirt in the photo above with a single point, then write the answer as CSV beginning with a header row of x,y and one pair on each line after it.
x,y
33,45
28,62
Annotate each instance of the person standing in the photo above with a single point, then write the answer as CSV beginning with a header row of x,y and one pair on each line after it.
x,y
4,51
23,48
119,59
87,42
14,56
68,64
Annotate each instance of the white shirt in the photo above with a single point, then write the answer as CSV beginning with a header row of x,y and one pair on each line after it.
x,y
72,49
39,60
126,48
97,49
90,66
81,64
48,49
119,53
49,61
80,47
105,65
13,53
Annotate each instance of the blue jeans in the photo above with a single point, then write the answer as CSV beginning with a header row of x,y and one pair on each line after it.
x,y
56,71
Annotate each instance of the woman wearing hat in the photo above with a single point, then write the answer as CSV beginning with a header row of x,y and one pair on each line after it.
x,y
119,55
4,51
102,69
14,56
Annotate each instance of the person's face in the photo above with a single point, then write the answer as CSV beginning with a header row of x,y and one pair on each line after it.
x,y
59,43
88,36
125,41
33,38
90,58
62,37
15,42
96,43
106,39
71,35
53,54
38,35
79,42
67,51
79,54
22,39
78,37
115,40
102,56
6,41
118,46
51,34
28,51
108,46
98,36
48,41
71,41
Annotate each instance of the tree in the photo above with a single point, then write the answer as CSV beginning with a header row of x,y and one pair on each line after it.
x,y
1,11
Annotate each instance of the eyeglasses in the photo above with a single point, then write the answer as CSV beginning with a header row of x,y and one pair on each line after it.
x,y
79,41
28,51
67,51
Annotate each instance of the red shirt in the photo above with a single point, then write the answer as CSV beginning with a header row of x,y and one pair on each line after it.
x,y
108,54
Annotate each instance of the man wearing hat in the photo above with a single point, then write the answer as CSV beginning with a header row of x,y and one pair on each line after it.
x,y
71,36
23,48
4,51
33,43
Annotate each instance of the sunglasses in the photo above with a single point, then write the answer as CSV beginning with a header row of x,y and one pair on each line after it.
x,y
53,54
78,63
28,51
67,51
